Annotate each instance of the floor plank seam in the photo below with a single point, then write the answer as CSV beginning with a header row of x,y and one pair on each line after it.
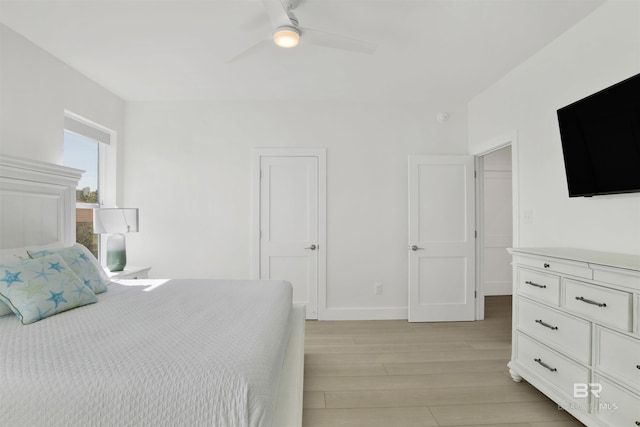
x,y
455,373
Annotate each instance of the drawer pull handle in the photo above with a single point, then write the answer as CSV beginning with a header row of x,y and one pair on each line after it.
x,y
528,282
545,365
638,366
545,265
553,328
588,301
638,423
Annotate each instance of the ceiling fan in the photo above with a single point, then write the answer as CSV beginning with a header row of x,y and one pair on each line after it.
x,y
287,32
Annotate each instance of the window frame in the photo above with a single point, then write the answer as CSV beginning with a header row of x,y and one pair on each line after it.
x,y
106,168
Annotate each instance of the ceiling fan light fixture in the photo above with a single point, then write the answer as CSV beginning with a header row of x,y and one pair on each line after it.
x,y
286,37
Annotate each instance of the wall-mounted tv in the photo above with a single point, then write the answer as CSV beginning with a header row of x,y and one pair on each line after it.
x,y
601,141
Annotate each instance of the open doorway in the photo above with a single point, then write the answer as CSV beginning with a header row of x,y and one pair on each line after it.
x,y
494,222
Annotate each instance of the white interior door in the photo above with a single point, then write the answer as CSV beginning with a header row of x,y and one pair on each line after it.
x,y
289,242
441,238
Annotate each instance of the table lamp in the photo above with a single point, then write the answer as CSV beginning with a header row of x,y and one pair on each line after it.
x,y
116,222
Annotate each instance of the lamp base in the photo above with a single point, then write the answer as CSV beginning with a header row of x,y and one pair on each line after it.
x,y
116,252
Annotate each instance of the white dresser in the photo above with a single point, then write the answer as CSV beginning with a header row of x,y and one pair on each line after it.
x,y
576,331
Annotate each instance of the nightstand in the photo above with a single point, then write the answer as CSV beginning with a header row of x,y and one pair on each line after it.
x,y
130,273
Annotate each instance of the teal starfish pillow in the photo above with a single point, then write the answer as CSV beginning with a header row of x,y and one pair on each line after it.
x,y
41,287
83,263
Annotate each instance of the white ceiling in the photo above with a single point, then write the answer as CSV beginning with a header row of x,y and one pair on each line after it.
x,y
445,50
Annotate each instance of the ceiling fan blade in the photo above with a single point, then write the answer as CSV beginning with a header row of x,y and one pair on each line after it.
x,y
249,51
277,14
320,38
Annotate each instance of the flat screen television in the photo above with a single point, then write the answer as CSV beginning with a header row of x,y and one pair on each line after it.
x,y
601,141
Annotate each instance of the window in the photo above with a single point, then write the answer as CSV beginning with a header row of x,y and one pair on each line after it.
x,y
85,148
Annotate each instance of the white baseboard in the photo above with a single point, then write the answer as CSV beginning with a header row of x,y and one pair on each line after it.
x,y
382,313
497,288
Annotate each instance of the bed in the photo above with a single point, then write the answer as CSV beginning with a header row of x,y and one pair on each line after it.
x,y
145,352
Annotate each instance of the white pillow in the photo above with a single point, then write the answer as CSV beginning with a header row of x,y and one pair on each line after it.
x,y
4,309
13,256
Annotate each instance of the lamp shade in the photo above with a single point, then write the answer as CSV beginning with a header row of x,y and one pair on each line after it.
x,y
115,220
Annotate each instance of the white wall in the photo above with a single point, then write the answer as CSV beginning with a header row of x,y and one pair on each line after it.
x,y
599,51
35,89
188,167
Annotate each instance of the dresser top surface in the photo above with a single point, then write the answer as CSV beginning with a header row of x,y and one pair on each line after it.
x,y
608,259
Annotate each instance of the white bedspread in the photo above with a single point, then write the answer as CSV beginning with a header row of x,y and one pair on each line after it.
x,y
186,353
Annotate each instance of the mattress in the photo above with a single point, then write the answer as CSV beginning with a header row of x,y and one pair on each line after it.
x,y
184,352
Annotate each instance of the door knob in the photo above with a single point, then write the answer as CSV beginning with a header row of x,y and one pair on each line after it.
x,y
415,248
312,247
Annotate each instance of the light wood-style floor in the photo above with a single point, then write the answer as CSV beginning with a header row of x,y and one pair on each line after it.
x,y
391,373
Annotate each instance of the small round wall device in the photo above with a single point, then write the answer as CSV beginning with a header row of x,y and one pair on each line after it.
x,y
442,117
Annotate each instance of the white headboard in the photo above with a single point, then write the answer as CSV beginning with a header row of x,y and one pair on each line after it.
x,y
37,203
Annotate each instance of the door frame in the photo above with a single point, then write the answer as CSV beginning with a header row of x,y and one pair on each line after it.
x,y
321,155
491,145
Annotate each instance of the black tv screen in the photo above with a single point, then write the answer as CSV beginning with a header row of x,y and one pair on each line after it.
x,y
601,141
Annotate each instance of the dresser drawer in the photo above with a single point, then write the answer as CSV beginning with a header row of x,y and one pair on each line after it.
x,y
620,277
604,305
555,265
552,367
566,333
541,286
615,406
618,356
